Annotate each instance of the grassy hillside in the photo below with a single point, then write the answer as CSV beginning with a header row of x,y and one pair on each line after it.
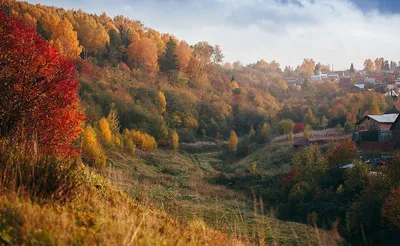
x,y
35,209
179,184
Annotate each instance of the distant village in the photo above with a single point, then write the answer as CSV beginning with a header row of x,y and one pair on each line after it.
x,y
372,132
386,81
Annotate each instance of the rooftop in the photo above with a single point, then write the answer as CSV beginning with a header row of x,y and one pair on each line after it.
x,y
386,118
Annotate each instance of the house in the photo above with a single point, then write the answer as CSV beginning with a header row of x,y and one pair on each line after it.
x,y
391,93
380,87
373,132
301,142
345,83
333,76
316,77
292,81
370,80
395,128
360,87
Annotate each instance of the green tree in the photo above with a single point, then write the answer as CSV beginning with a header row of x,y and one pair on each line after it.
x,y
286,126
310,164
218,56
169,60
324,122
348,127
309,118
307,131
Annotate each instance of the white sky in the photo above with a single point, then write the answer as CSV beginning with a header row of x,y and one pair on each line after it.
x,y
329,31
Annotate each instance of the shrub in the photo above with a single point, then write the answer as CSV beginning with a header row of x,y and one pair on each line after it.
x,y
286,126
42,176
129,145
348,127
143,140
299,127
310,164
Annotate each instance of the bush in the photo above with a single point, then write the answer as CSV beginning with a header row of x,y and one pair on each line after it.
x,y
348,127
143,140
129,145
42,176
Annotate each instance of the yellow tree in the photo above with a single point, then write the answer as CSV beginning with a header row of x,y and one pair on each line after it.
x,y
91,150
369,65
61,34
378,64
307,131
233,141
309,118
306,70
265,130
193,69
113,120
174,141
162,102
374,109
105,131
91,34
67,38
129,144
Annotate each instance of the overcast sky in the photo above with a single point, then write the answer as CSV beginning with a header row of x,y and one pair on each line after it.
x,y
336,32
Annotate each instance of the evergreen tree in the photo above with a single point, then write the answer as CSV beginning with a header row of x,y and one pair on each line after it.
x,y
169,60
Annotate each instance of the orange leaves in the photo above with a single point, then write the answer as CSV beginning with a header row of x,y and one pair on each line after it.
x,y
143,140
143,55
343,153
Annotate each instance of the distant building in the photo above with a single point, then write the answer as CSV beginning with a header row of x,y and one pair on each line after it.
x,y
392,94
360,86
301,143
373,132
345,83
316,78
292,81
370,80
333,76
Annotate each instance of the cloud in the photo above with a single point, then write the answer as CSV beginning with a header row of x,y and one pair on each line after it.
x,y
336,32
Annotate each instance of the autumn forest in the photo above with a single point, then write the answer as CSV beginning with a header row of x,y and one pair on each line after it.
x,y
112,133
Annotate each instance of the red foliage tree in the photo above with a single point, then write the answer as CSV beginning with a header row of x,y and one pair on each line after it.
x,y
299,127
343,152
38,96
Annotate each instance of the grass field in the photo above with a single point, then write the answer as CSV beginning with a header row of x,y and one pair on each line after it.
x,y
178,184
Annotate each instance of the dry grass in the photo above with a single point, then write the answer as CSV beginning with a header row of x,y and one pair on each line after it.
x,y
102,216
322,135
